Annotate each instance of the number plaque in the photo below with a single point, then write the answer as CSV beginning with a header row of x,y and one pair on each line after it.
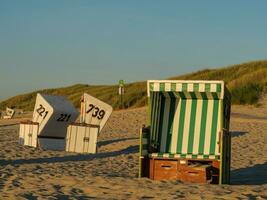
x,y
94,111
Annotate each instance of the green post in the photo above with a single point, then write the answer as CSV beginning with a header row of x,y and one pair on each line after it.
x,y
121,92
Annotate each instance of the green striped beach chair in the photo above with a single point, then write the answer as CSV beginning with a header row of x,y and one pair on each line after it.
x,y
188,120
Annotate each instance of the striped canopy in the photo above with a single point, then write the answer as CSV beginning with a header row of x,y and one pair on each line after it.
x,y
187,116
189,89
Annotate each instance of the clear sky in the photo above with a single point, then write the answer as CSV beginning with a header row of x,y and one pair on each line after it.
x,y
52,43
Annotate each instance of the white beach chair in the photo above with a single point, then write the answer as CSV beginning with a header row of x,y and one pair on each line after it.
x,y
9,113
82,137
52,115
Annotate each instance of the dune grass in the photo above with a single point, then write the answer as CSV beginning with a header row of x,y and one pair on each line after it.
x,y
246,82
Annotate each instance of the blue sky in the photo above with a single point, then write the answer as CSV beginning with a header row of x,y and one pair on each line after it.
x,y
52,43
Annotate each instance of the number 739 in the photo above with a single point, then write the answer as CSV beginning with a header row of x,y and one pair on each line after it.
x,y
96,111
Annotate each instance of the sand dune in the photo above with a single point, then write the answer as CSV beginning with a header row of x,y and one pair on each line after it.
x,y
28,173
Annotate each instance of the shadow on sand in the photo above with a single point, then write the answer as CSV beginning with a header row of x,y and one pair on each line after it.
x,y
255,175
73,158
106,142
246,116
238,133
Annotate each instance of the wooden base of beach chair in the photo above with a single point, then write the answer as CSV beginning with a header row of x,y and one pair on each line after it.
x,y
186,170
28,132
82,138
163,169
196,173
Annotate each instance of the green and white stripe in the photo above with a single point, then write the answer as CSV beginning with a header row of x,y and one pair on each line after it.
x,y
155,117
188,156
190,126
213,89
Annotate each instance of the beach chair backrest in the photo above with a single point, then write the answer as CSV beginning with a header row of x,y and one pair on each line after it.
x,y
54,114
94,111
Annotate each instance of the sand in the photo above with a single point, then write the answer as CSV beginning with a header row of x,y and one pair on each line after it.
x,y
28,173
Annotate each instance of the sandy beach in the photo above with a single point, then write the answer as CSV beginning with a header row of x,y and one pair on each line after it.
x,y
28,173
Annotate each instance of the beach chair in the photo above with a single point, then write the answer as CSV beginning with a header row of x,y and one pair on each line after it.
x,y
187,137
51,117
82,137
9,113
